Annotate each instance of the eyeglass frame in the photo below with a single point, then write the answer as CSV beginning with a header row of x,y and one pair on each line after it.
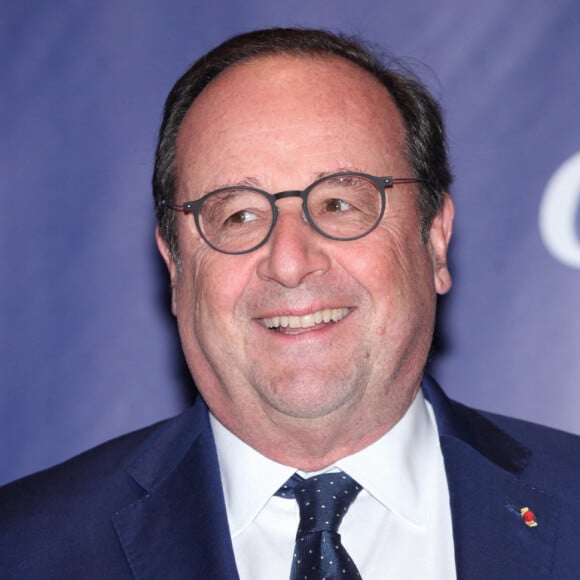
x,y
381,183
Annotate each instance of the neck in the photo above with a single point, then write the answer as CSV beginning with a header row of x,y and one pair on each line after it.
x,y
312,444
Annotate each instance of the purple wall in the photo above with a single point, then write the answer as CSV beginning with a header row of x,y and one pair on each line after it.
x,y
87,346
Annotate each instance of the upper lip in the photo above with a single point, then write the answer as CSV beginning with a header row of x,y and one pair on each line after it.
x,y
306,320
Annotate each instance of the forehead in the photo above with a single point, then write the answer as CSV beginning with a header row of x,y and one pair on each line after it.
x,y
281,108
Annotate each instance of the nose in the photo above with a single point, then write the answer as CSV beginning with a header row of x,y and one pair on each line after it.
x,y
294,250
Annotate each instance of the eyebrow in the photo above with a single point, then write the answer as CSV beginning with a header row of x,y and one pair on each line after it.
x,y
250,181
244,182
351,169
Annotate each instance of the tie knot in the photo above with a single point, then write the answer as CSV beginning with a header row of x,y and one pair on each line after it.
x,y
323,499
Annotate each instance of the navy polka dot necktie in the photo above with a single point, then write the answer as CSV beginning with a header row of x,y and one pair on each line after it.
x,y
323,500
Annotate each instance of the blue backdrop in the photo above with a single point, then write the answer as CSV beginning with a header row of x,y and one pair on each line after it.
x,y
87,345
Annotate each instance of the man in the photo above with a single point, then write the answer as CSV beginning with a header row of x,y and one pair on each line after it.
x,y
303,216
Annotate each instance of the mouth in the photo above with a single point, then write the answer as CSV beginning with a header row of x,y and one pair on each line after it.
x,y
326,316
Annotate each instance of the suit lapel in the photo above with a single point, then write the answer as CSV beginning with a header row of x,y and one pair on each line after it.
x,y
178,529
486,475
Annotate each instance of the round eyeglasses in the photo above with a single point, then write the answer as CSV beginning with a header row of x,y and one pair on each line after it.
x,y
239,219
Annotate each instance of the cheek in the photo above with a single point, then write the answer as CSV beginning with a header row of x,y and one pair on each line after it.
x,y
209,290
393,262
397,276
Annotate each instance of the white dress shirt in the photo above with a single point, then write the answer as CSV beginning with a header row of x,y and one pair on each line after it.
x,y
399,526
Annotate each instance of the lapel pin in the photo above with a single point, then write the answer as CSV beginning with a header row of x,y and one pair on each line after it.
x,y
529,517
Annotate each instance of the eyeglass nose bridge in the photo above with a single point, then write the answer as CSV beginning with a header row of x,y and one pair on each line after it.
x,y
292,193
289,193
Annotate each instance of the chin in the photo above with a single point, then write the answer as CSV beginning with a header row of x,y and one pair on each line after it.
x,y
308,401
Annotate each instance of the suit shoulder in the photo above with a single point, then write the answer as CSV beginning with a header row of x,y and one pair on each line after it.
x,y
79,475
553,453
64,514
100,475
536,435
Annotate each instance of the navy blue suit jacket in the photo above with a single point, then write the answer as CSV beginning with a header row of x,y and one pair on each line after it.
x,y
150,504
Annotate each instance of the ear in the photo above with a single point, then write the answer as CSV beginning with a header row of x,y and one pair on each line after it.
x,y
170,263
439,238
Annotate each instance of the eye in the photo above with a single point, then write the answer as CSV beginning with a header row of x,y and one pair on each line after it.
x,y
336,205
243,216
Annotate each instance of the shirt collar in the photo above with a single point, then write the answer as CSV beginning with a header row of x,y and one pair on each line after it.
x,y
396,469
249,479
399,469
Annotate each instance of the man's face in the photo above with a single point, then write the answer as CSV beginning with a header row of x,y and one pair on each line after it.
x,y
279,123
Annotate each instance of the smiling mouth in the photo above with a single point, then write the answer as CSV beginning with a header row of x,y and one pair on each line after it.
x,y
306,321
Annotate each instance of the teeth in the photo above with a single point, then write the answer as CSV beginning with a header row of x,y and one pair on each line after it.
x,y
308,320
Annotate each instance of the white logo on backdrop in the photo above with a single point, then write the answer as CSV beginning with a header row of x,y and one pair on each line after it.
x,y
558,213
